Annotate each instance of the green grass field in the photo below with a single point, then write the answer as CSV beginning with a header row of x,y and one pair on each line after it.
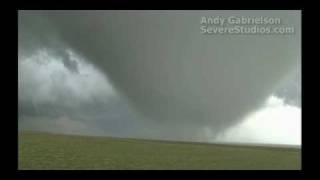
x,y
49,151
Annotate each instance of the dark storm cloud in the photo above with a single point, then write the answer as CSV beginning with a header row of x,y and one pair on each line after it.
x,y
67,60
58,100
178,79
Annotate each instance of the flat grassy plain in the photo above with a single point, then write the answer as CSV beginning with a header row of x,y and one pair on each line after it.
x,y
70,152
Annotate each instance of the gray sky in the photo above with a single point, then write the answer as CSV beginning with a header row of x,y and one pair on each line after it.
x,y
152,74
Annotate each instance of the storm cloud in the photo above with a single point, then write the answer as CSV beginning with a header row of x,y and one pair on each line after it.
x,y
148,74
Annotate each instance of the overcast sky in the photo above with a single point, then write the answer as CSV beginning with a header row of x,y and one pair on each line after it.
x,y
152,74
